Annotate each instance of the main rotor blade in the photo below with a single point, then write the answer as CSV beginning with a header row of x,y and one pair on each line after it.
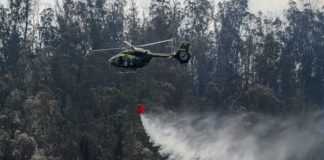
x,y
90,52
155,43
129,44
108,49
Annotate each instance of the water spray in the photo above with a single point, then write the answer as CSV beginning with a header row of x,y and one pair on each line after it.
x,y
215,137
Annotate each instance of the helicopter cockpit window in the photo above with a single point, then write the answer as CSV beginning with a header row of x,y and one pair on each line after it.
x,y
122,61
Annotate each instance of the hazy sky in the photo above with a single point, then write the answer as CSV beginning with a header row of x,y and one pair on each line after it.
x,y
267,6
264,5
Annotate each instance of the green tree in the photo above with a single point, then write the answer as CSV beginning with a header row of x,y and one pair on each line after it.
x,y
197,21
231,15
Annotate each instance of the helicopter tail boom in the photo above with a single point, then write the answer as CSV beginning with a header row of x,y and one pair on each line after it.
x,y
183,55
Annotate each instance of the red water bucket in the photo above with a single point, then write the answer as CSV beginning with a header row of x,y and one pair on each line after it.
x,y
140,108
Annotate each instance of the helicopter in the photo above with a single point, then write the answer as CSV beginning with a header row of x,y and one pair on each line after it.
x,y
137,57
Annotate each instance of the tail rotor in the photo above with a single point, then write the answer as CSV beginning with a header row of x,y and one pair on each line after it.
x,y
183,55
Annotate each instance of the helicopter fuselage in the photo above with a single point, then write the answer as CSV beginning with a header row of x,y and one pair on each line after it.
x,y
136,58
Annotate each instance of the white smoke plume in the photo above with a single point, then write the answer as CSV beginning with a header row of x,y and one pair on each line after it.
x,y
240,137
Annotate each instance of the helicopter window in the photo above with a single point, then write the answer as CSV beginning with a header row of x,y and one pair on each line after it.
x,y
120,60
126,61
123,61
130,62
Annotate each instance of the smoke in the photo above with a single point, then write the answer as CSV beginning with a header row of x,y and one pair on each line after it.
x,y
239,137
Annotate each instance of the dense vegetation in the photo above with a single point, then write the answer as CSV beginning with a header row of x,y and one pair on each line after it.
x,y
57,102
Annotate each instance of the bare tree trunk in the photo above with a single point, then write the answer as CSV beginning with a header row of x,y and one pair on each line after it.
x,y
26,20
